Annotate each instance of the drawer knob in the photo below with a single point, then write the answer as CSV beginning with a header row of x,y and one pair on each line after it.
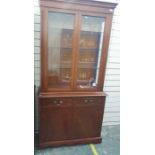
x,y
60,101
91,101
55,102
85,101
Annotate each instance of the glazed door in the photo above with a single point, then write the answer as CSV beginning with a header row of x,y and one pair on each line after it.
x,y
89,52
61,36
72,46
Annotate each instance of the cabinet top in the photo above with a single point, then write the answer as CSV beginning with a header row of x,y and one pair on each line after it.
x,y
102,4
72,94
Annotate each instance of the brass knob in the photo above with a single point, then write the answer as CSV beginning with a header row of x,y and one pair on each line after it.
x,y
91,101
86,101
55,102
60,101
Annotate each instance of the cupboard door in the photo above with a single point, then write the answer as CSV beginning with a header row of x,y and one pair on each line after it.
x,y
60,50
55,118
87,117
89,54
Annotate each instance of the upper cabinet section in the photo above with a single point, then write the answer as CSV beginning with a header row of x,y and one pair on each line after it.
x,y
74,44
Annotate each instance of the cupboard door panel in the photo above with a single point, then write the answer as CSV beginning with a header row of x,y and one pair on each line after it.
x,y
87,118
54,122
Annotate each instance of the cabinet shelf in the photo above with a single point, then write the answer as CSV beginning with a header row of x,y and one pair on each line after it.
x,y
66,29
82,49
87,67
60,47
89,32
83,81
71,30
85,62
63,67
65,62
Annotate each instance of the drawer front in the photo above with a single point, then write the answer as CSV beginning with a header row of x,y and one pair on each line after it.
x,y
56,102
84,101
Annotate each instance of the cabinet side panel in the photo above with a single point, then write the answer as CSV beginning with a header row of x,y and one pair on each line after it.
x,y
44,43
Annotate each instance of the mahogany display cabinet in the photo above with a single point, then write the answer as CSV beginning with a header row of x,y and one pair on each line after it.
x,y
74,45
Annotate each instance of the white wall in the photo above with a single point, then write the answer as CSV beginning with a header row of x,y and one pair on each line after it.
x,y
112,79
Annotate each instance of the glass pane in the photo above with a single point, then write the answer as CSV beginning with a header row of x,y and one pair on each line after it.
x,y
91,39
60,37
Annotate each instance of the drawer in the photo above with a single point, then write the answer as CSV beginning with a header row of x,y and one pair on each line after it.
x,y
88,101
56,102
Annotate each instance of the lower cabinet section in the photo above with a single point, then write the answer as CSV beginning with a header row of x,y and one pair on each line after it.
x,y
70,120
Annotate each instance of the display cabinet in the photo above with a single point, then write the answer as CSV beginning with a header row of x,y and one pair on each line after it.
x,y
74,44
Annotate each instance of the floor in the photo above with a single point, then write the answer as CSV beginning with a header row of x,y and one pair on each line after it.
x,y
110,145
